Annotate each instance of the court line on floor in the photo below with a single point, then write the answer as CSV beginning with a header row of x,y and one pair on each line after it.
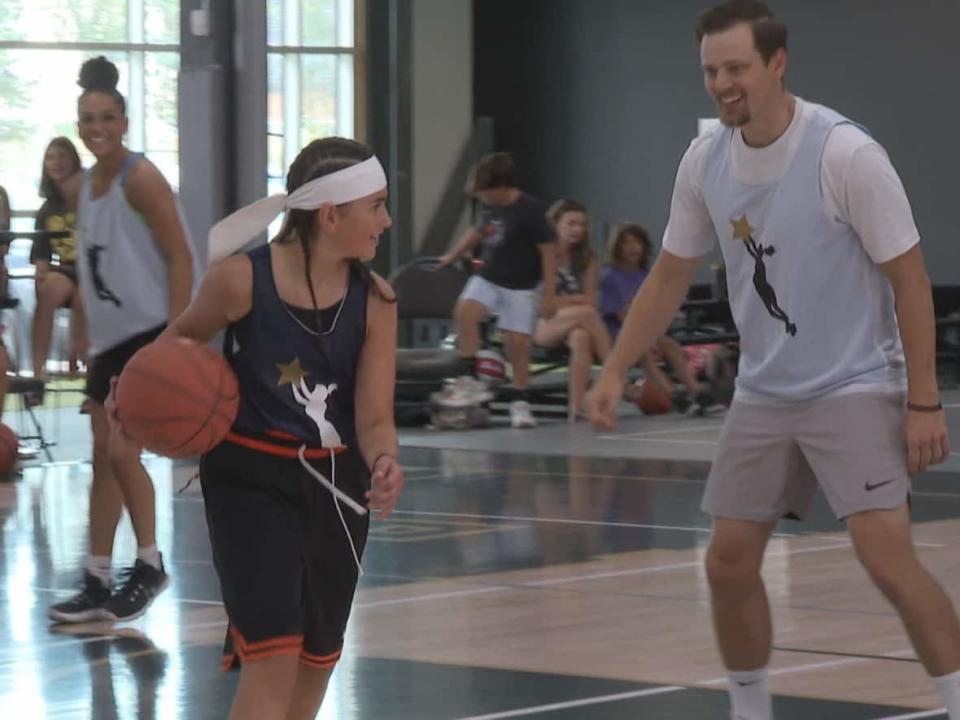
x,y
663,690
941,712
837,653
671,441
675,441
196,497
667,431
931,493
534,584
565,475
582,701
561,475
597,700
569,521
520,712
809,667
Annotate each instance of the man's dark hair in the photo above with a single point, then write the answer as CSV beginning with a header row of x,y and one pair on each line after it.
x,y
769,34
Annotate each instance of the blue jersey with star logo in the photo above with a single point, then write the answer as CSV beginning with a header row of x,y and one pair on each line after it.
x,y
296,382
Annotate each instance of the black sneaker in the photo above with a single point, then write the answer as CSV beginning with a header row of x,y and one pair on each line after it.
x,y
141,584
681,400
85,605
701,404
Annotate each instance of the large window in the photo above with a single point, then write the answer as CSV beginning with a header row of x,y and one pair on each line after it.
x,y
42,45
310,77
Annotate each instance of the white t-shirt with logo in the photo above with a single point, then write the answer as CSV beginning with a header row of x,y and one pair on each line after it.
x,y
859,186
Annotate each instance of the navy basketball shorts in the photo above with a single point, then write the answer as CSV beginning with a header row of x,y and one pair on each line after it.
x,y
287,573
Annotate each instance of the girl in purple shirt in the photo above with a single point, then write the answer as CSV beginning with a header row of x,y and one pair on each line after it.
x,y
630,251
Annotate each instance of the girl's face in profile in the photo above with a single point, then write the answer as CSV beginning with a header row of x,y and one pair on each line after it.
x,y
361,224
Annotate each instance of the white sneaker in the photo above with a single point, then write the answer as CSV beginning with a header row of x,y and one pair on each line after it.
x,y
464,391
520,415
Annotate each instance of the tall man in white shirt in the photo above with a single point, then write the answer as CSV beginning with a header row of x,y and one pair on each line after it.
x,y
837,382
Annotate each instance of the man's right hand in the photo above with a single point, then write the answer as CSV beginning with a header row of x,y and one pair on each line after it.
x,y
445,260
604,399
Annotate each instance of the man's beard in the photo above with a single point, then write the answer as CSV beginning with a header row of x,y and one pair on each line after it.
x,y
733,118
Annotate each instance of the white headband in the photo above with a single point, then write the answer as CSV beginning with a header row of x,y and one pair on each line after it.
x,y
351,183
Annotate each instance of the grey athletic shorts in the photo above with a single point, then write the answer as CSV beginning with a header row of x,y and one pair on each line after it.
x,y
771,458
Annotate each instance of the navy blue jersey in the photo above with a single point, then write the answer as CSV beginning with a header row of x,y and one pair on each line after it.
x,y
297,381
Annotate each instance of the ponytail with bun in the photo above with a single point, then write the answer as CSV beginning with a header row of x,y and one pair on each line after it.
x,y
100,75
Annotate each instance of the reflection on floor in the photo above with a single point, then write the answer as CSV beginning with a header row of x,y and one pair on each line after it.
x,y
551,574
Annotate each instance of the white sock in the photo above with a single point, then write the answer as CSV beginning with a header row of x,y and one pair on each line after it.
x,y
949,688
750,695
100,567
150,555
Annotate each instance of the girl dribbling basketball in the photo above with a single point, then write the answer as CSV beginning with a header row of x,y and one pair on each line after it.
x,y
311,336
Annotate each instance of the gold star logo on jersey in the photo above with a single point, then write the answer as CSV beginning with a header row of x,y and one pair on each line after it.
x,y
291,373
741,229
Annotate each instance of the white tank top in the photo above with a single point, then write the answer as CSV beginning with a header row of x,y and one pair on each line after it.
x,y
124,278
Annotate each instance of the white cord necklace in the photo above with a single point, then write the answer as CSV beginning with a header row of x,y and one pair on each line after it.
x,y
312,331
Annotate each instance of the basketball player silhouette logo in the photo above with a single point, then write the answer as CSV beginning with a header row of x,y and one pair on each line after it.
x,y
103,292
743,231
315,404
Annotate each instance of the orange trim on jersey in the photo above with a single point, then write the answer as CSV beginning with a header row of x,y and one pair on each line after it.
x,y
266,645
285,451
267,654
322,662
227,661
241,642
260,650
282,435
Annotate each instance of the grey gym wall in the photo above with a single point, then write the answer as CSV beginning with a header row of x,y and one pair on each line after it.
x,y
598,100
442,108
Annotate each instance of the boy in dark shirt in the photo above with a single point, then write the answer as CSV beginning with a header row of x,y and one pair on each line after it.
x,y
517,256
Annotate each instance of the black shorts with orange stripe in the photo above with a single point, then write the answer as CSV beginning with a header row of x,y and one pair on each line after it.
x,y
287,573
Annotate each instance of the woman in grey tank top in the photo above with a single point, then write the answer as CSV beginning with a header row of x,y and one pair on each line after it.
x,y
136,270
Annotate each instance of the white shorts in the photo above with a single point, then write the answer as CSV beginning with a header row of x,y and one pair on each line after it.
x,y
772,457
516,309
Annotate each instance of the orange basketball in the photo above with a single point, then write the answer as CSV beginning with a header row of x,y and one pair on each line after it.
x,y
177,398
8,449
653,399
